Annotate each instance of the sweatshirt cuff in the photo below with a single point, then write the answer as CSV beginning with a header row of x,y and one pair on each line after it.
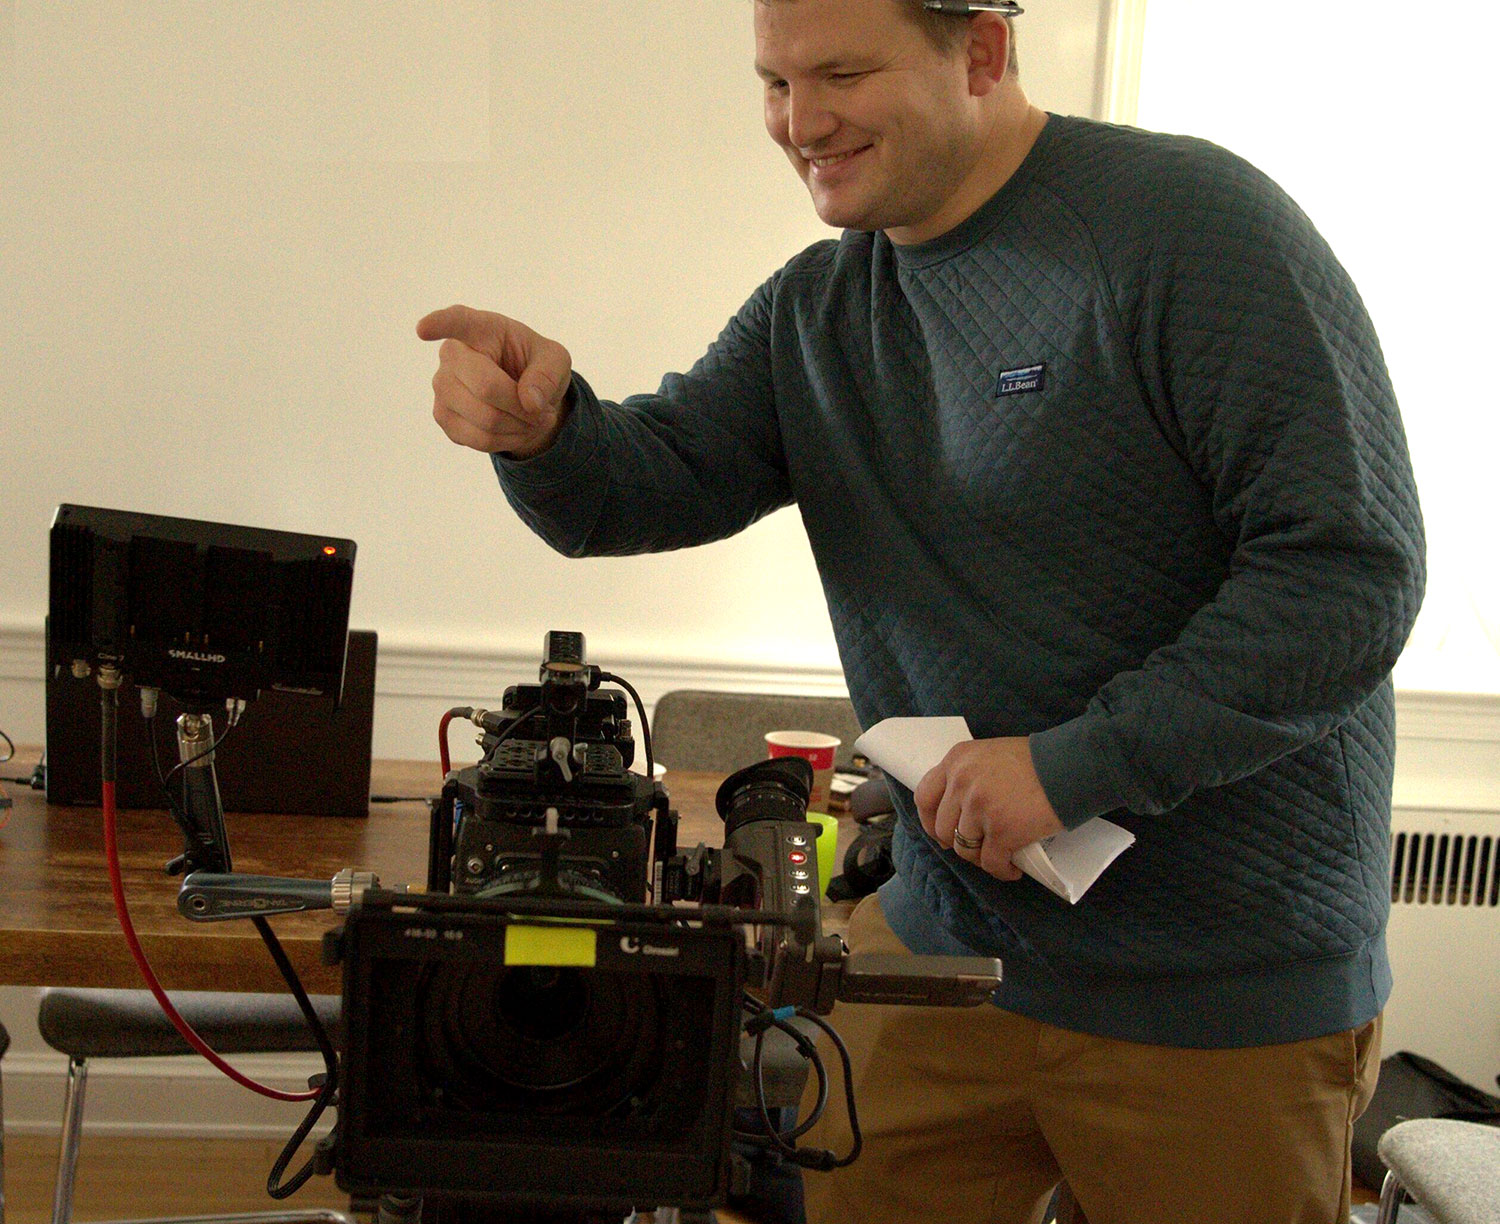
x,y
571,451
1078,765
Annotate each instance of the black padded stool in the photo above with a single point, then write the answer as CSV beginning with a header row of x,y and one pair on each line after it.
x,y
87,1024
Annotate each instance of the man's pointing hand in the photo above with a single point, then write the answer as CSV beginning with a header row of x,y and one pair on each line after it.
x,y
499,386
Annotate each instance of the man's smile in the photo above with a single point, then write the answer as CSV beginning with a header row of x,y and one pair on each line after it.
x,y
823,163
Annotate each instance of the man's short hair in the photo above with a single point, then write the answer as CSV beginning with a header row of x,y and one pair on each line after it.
x,y
948,33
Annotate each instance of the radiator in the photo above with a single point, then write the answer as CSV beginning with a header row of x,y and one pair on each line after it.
x,y
1445,941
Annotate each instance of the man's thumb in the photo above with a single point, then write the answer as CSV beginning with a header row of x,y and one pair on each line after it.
x,y
537,391
547,376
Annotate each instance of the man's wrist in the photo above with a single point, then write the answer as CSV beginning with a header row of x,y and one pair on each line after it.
x,y
1072,764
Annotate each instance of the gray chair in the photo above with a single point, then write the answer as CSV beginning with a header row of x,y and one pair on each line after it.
x,y
1450,1168
89,1024
722,732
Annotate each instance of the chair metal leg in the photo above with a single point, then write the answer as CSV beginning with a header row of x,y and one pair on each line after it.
x,y
1392,1195
72,1132
72,1022
2,1137
67,1170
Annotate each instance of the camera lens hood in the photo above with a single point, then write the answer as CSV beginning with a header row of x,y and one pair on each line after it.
x,y
776,789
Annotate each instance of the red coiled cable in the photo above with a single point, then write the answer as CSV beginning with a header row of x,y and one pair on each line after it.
x,y
189,1035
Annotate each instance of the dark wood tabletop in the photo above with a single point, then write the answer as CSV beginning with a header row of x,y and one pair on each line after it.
x,y
57,922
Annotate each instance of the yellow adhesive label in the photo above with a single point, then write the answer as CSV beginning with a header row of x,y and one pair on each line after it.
x,y
559,946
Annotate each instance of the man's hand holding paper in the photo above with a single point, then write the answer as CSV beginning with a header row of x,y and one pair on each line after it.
x,y
986,793
984,801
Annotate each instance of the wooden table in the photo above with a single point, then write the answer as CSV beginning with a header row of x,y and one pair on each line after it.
x,y
57,923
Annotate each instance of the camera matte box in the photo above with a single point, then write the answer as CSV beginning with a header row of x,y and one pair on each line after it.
x,y
473,1071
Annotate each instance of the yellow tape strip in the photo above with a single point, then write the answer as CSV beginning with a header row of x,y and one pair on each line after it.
x,y
563,946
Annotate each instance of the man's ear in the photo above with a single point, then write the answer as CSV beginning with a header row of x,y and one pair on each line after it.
x,y
989,52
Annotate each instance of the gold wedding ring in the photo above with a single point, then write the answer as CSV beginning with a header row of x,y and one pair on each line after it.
x,y
968,843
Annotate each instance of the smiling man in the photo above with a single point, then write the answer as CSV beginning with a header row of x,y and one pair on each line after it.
x,y
869,125
1094,445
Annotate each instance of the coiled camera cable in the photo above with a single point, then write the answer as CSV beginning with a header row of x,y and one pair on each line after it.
x,y
763,1018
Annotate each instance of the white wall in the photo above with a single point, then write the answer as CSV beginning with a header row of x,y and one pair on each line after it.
x,y
219,224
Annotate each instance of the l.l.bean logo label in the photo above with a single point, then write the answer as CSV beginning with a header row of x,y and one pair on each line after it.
x,y
1016,382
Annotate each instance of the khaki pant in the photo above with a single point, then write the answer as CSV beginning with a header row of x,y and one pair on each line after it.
x,y
971,1115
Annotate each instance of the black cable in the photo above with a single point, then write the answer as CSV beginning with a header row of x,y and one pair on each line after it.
x,y
511,727
327,1092
181,765
5,800
825,1160
37,778
640,709
165,779
762,1019
783,1139
807,1158
173,806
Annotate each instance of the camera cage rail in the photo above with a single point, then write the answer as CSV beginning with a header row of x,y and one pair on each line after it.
x,y
797,967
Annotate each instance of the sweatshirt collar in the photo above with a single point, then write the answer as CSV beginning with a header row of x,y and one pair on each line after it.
x,y
979,224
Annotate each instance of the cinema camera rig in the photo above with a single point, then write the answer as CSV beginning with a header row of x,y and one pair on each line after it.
x,y
553,1029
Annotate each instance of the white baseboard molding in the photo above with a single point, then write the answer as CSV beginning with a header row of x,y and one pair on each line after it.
x,y
1448,743
416,681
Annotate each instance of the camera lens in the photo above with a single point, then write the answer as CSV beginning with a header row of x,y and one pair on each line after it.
x,y
539,1041
777,789
542,1004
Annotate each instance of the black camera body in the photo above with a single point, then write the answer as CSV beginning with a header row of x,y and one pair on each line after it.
x,y
527,1037
529,1034
554,747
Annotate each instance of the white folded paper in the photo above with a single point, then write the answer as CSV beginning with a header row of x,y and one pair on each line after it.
x,y
1068,863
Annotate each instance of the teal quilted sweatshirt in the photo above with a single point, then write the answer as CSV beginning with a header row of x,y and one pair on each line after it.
x,y
1114,464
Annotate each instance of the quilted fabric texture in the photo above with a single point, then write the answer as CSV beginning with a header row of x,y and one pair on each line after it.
x,y
1114,464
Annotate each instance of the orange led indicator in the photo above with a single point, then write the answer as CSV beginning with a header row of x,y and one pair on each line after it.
x,y
329,550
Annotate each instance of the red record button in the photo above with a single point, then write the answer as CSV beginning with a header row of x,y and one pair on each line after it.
x,y
798,856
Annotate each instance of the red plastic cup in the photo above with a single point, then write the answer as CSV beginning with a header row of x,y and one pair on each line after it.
x,y
817,750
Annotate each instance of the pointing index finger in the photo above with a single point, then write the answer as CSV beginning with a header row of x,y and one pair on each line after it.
x,y
449,323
